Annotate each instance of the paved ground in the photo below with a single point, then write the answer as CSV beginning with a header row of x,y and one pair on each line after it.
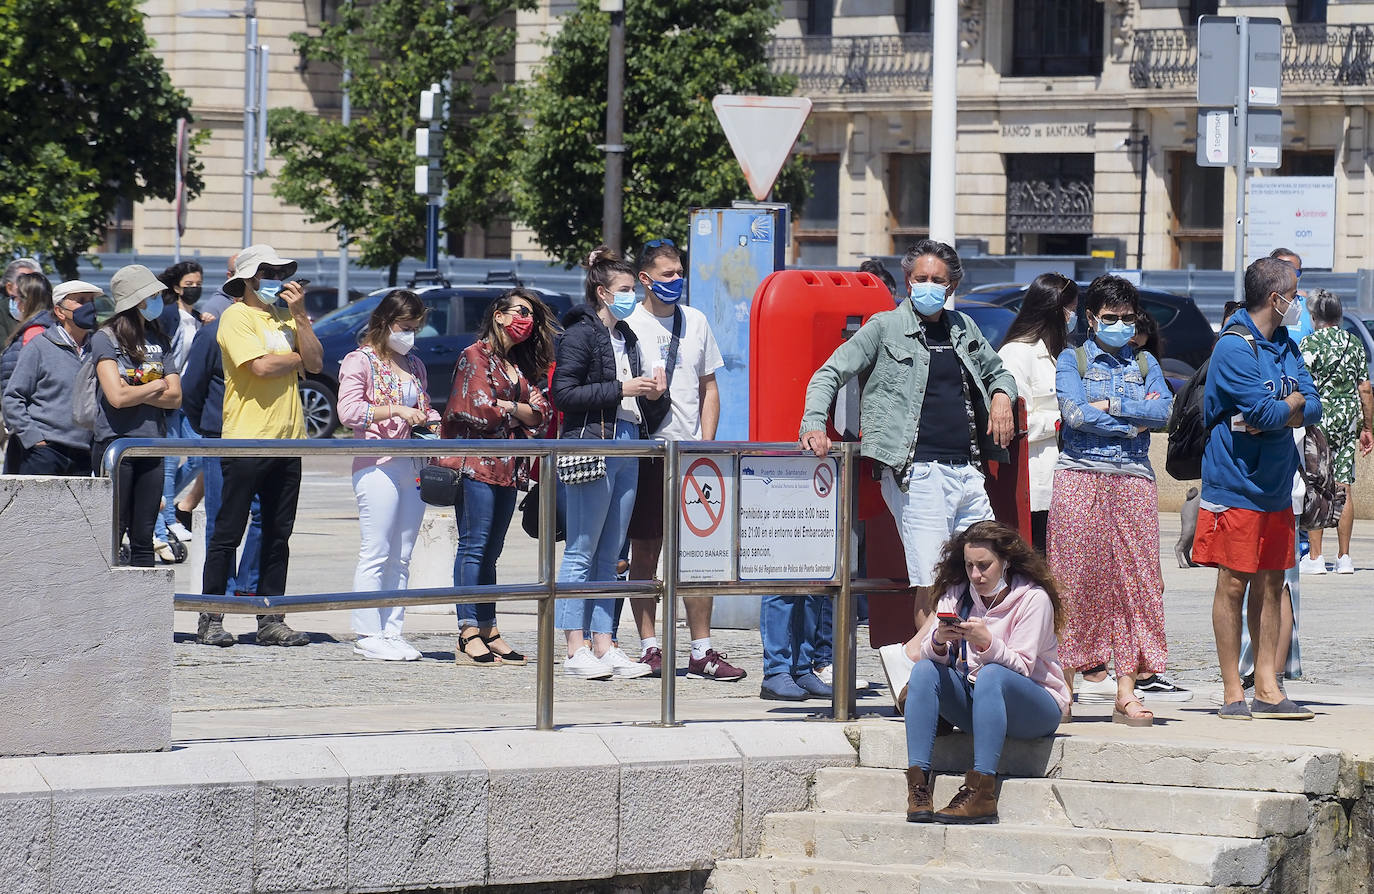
x,y
249,690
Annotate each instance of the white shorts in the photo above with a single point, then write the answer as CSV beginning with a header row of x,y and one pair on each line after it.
x,y
940,501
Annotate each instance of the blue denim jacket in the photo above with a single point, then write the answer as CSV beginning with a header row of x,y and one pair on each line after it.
x,y
1119,435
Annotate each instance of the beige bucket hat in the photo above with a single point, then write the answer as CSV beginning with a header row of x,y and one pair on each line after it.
x,y
250,261
131,285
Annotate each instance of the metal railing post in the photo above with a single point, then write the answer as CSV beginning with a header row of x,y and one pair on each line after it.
x,y
672,493
116,535
548,575
843,629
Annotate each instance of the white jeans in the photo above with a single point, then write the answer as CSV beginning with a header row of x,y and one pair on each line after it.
x,y
389,512
940,501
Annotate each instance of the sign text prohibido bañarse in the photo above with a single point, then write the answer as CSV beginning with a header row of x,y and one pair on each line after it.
x,y
789,517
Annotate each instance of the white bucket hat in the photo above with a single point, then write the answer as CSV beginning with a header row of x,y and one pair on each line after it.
x,y
250,260
130,286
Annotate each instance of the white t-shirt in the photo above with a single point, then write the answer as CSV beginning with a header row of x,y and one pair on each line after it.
x,y
629,406
697,356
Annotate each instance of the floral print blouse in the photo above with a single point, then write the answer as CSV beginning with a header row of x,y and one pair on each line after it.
x,y
479,380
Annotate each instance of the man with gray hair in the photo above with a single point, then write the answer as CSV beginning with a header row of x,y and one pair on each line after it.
x,y
1258,389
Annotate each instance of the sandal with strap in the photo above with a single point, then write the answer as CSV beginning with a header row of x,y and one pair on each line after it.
x,y
486,659
1143,716
510,657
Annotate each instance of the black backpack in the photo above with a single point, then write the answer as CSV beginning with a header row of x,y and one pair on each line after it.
x,y
1188,428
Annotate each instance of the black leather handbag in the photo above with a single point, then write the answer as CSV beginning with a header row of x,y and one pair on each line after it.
x,y
440,486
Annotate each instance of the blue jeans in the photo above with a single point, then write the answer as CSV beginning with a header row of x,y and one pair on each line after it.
x,y
246,580
1004,703
175,474
788,627
598,517
482,525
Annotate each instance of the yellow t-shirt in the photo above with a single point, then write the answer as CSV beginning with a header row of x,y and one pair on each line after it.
x,y
254,406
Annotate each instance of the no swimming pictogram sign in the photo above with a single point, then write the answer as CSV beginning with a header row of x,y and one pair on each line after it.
x,y
823,479
706,531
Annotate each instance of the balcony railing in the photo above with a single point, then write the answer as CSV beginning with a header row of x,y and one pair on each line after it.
x,y
897,63
1340,55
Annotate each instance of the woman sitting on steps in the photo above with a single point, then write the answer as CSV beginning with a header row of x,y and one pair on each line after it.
x,y
997,623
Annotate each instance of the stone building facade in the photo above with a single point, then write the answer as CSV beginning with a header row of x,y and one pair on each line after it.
x,y
1053,98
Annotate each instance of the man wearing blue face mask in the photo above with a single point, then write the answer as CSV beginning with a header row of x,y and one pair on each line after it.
x,y
267,341
936,403
679,347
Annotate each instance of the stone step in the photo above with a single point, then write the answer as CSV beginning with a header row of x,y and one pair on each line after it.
x,y
1086,805
882,840
791,876
1298,769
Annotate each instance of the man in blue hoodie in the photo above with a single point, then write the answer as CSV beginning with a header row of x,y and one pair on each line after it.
x,y
1258,388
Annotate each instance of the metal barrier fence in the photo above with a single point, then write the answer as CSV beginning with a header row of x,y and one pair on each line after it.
x,y
840,587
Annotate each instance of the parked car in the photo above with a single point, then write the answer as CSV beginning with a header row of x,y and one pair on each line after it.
x,y
321,300
455,314
1184,332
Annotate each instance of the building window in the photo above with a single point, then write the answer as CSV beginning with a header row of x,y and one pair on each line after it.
x,y
816,228
119,232
1198,196
916,16
820,16
1310,12
1317,163
1195,8
1056,37
1049,203
908,198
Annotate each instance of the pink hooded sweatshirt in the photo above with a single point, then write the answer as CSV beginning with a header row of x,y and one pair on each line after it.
x,y
1023,638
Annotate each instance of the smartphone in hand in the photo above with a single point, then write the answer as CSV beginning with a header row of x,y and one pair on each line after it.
x,y
949,619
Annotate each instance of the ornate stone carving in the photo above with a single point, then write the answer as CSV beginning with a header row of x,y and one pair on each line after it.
x,y
971,14
1121,15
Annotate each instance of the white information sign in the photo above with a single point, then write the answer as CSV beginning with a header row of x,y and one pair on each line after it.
x,y
789,518
1293,212
706,528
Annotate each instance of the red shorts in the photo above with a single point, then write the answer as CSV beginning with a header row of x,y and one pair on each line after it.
x,y
1245,540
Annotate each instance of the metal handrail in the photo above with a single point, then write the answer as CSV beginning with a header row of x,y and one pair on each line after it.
x,y
841,587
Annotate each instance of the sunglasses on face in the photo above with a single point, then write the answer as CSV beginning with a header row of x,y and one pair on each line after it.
x,y
520,310
655,243
1109,319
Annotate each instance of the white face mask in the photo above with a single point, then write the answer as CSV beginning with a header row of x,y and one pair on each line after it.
x,y
1291,315
401,342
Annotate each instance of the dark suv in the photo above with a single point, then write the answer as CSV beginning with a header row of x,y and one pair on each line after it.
x,y
455,315
1185,335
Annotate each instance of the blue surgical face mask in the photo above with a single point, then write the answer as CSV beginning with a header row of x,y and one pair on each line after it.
x,y
623,304
152,308
1114,335
269,291
928,297
669,292
14,308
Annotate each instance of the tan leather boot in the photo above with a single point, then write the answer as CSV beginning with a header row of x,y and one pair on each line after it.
x,y
975,802
919,807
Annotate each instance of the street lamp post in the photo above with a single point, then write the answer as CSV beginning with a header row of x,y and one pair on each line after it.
x,y
613,203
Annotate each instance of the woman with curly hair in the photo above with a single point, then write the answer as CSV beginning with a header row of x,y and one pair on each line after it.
x,y
997,626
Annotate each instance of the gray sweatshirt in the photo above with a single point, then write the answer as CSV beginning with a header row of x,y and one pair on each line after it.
x,y
38,397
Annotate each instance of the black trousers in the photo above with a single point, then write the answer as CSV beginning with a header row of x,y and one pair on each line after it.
x,y
140,497
56,459
276,482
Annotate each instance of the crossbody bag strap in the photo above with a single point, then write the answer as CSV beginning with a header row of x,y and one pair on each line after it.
x,y
673,345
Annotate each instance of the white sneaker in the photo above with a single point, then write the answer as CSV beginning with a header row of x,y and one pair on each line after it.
x,y
1100,693
827,672
1312,565
622,666
399,644
583,663
180,532
378,649
163,552
1344,565
897,668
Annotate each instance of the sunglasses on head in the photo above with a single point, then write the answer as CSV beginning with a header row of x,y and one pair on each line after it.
x,y
518,309
655,243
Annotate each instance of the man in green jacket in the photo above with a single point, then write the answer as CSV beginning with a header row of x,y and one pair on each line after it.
x,y
935,403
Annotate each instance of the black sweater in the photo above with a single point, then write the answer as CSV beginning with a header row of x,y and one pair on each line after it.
x,y
585,388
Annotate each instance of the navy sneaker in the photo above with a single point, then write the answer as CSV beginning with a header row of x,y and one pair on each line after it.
x,y
782,688
814,685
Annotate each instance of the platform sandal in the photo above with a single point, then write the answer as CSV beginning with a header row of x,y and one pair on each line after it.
x,y
490,659
511,657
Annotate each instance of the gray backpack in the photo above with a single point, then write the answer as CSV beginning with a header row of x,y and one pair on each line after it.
x,y
86,396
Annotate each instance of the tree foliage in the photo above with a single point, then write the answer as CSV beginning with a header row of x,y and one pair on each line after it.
x,y
361,175
679,55
89,120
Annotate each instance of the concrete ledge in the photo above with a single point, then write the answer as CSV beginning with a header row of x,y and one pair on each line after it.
x,y
402,812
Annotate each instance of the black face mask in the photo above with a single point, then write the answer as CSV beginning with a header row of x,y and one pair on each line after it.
x,y
84,316
190,295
